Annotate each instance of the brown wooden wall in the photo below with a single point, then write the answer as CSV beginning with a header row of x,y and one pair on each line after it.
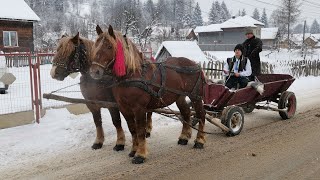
x,y
24,31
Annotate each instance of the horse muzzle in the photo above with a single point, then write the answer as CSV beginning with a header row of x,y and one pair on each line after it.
x,y
96,72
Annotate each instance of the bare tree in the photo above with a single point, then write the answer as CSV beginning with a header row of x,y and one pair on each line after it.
x,y
288,14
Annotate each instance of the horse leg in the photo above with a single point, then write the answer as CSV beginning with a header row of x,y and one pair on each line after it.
x,y
141,123
149,124
132,128
96,113
185,113
200,114
116,120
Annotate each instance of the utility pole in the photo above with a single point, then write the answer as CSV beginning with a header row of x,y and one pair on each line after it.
x,y
303,45
289,15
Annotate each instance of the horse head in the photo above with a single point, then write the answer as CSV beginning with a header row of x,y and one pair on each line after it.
x,y
72,55
114,54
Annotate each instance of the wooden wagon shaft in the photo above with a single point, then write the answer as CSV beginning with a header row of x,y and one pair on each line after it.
x,y
272,108
83,101
212,120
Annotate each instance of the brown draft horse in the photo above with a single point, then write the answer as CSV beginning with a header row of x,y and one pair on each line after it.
x,y
147,86
74,55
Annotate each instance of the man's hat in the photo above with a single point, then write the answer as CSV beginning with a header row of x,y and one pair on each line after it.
x,y
248,31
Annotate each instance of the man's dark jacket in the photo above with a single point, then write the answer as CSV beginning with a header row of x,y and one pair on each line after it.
x,y
252,48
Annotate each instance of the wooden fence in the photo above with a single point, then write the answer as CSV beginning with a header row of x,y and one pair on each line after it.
x,y
214,69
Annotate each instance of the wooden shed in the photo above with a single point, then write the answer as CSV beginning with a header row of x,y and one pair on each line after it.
x,y
16,26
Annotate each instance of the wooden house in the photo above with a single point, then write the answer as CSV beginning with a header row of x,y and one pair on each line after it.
x,y
269,37
187,49
16,26
224,36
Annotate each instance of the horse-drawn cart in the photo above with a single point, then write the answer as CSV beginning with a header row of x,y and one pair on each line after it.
x,y
229,106
225,108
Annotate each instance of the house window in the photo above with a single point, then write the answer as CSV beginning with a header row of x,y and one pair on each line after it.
x,y
10,38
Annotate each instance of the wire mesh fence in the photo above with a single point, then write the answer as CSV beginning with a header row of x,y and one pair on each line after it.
x,y
18,97
21,94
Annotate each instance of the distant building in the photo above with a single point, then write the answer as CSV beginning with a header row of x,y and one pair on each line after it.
x,y
224,36
296,41
269,37
16,25
187,34
187,49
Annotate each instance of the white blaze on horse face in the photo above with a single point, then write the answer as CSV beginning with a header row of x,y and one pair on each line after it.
x,y
53,71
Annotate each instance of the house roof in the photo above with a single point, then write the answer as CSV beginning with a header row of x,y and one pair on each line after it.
x,y
17,10
238,22
241,21
209,28
269,33
188,49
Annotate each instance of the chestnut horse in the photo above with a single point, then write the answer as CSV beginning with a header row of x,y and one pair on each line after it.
x,y
74,55
142,87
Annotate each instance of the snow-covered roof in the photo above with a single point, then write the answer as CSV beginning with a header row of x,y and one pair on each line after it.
x,y
17,10
209,28
188,49
269,33
238,22
241,21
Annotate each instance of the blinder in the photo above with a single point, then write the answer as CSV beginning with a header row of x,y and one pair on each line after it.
x,y
76,61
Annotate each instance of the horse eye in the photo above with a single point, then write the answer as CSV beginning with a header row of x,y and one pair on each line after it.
x,y
109,47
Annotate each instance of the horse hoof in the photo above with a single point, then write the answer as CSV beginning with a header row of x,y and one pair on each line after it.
x,y
148,135
96,146
183,142
138,160
132,153
118,147
198,145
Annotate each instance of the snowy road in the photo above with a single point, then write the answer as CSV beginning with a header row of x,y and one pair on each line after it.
x,y
267,148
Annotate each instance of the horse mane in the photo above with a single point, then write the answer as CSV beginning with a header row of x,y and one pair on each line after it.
x,y
89,46
133,58
66,47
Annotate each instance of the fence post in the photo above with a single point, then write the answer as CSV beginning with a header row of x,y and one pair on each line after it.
x,y
31,79
36,91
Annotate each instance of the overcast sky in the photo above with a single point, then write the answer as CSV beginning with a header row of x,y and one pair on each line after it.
x,y
310,8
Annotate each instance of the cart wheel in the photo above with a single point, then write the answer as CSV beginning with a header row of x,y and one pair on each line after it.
x,y
288,102
248,108
233,118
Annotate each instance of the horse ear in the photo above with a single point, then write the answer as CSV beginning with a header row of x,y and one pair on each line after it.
x,y
99,30
75,39
110,31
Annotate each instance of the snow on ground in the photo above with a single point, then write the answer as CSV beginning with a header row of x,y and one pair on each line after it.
x,y
60,131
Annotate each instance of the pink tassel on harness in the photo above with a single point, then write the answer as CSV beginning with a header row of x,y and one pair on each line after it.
x,y
119,66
